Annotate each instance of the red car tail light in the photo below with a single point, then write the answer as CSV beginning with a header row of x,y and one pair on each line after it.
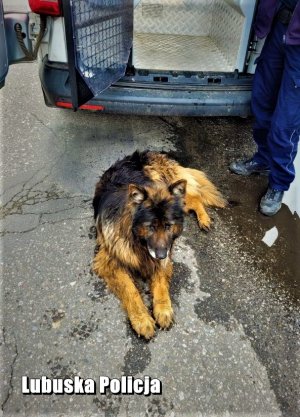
x,y
68,105
47,7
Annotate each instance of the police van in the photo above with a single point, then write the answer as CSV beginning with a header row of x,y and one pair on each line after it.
x,y
154,57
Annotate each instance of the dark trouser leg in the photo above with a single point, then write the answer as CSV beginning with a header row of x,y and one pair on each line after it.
x,y
266,85
284,134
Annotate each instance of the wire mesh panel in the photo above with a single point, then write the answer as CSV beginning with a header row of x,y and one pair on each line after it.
x,y
103,31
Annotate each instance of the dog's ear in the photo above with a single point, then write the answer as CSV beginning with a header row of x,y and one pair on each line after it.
x,y
178,188
137,194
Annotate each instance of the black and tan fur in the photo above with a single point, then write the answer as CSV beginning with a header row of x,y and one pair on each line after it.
x,y
139,208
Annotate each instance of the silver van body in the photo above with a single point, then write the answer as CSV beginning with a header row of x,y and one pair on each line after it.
x,y
160,57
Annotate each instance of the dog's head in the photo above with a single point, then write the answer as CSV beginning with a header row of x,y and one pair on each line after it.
x,y
158,216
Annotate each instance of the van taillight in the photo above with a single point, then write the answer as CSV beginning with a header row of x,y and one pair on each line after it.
x,y
48,7
68,105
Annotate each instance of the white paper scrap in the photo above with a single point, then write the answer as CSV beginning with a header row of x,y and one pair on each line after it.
x,y
270,236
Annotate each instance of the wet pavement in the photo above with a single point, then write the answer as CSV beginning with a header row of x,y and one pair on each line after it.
x,y
234,349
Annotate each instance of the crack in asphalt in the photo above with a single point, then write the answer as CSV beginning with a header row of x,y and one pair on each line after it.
x,y
40,223
41,200
16,206
43,124
10,382
30,196
50,165
41,169
168,123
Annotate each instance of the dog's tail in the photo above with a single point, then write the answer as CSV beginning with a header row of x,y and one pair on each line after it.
x,y
198,185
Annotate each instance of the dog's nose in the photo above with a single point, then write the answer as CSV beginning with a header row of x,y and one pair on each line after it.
x,y
161,253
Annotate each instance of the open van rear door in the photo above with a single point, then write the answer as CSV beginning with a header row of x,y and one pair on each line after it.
x,y
3,49
99,37
10,49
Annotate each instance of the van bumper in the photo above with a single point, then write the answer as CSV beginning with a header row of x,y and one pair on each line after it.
x,y
127,97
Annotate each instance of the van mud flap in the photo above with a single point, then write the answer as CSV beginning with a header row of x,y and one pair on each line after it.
x,y
99,37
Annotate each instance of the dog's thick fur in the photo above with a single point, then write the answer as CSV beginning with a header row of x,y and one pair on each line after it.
x,y
139,206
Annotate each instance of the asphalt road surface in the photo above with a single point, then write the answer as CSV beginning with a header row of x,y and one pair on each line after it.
x,y
234,349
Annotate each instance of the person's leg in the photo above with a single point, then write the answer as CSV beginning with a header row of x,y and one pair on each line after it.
x,y
284,134
285,129
266,85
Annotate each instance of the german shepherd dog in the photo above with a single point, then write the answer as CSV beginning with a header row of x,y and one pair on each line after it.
x,y
139,208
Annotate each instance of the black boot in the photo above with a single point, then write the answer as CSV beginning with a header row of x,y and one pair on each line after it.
x,y
248,167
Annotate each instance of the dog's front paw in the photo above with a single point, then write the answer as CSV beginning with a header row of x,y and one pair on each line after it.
x,y
144,325
164,315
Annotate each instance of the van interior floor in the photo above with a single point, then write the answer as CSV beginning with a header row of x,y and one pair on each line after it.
x,y
167,52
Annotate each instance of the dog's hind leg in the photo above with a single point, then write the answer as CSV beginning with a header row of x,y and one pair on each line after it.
x,y
199,185
200,192
121,284
162,307
193,203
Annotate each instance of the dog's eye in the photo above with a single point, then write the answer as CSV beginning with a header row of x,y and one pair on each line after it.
x,y
152,228
168,226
